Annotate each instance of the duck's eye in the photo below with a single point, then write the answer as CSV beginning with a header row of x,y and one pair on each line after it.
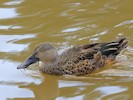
x,y
44,49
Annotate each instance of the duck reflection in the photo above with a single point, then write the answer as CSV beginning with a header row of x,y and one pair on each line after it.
x,y
60,88
47,90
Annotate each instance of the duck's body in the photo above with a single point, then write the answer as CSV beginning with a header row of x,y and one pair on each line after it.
x,y
78,60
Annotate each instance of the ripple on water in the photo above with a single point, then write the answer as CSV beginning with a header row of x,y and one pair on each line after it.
x,y
102,92
14,2
8,42
124,23
8,13
7,27
14,92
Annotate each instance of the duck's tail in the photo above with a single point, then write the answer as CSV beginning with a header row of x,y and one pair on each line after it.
x,y
115,47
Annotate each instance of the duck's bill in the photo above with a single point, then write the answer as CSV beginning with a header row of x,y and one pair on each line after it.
x,y
32,59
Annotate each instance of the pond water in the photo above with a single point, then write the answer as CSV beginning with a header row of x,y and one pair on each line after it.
x,y
64,23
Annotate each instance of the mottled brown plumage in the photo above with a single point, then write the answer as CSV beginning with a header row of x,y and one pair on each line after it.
x,y
78,60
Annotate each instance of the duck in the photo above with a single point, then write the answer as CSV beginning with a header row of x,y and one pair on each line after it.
x,y
78,60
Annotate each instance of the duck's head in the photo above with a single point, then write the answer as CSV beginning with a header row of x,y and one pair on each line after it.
x,y
44,52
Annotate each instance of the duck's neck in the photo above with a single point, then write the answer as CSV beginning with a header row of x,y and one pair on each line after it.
x,y
54,60
47,63
51,67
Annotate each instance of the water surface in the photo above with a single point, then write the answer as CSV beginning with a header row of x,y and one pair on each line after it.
x,y
64,23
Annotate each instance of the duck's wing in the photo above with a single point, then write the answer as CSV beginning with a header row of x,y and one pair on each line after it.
x,y
109,49
113,48
83,52
84,59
